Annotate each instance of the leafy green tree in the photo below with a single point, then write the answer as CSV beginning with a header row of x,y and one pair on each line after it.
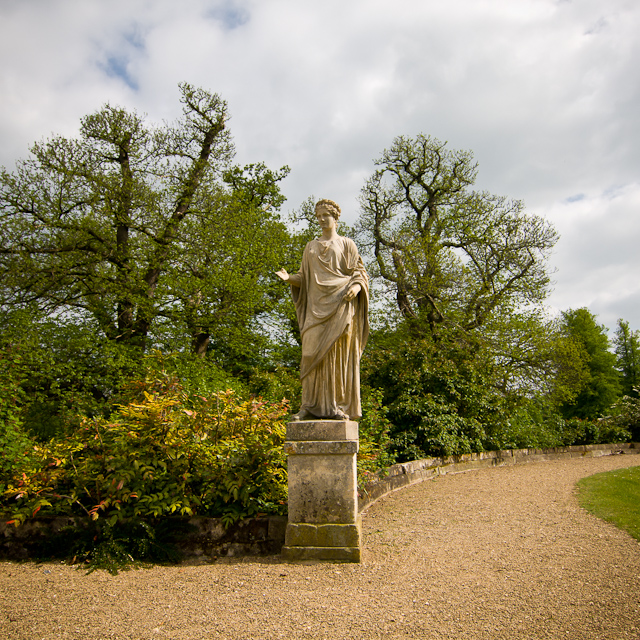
x,y
438,394
466,272
66,368
449,254
220,277
131,224
602,387
534,358
15,445
627,349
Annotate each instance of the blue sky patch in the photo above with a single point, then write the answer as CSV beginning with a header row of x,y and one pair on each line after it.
x,y
117,67
230,14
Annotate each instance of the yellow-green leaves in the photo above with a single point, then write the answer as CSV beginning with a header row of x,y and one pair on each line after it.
x,y
163,453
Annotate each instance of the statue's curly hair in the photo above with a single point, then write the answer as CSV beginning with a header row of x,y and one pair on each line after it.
x,y
330,205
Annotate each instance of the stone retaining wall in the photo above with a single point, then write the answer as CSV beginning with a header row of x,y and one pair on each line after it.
x,y
208,540
408,473
198,539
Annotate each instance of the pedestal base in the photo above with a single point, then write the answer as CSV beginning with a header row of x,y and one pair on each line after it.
x,y
323,506
340,542
329,554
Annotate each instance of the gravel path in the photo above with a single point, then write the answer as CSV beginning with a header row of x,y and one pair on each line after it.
x,y
490,554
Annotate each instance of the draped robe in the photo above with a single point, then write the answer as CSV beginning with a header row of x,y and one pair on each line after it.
x,y
334,331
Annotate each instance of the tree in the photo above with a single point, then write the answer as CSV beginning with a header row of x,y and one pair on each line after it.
x,y
467,274
627,349
602,387
66,369
449,254
219,277
533,357
112,225
439,395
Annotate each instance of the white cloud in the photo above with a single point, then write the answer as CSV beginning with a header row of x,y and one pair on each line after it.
x,y
542,91
597,258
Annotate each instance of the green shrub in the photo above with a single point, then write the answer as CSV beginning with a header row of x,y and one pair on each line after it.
x,y
625,418
16,446
439,398
164,452
533,424
198,376
375,442
65,370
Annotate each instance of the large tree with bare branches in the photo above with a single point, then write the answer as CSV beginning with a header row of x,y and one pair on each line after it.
x,y
449,254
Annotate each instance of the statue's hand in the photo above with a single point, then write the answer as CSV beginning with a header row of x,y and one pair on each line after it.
x,y
283,274
354,290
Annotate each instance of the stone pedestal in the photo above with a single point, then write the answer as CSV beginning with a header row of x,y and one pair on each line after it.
x,y
323,497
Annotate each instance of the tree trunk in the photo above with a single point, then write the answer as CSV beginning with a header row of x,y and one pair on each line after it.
x,y
199,344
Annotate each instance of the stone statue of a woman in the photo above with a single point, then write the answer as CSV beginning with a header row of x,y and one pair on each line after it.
x,y
331,294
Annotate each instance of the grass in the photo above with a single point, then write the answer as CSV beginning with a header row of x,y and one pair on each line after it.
x,y
615,497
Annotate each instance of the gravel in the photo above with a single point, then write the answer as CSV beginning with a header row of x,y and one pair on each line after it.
x,y
489,554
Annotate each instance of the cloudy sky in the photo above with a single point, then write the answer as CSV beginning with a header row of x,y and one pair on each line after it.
x,y
546,93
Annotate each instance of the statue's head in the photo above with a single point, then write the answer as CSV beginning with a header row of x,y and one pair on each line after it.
x,y
330,206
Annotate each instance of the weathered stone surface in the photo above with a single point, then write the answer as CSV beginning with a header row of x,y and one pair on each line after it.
x,y
319,448
331,295
198,538
334,554
322,430
323,535
277,528
322,488
323,497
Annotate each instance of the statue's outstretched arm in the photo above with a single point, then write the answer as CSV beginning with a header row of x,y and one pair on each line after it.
x,y
292,278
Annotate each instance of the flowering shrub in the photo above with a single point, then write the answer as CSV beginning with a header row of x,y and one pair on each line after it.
x,y
163,452
624,421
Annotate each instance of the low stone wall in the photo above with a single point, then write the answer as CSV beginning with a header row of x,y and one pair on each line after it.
x,y
207,539
408,473
199,539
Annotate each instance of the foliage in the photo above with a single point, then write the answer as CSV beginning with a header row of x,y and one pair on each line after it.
x,y
467,272
88,223
462,392
197,375
66,369
533,423
602,387
598,431
614,496
627,349
162,453
449,254
135,227
625,416
15,445
533,357
437,392
220,278
375,442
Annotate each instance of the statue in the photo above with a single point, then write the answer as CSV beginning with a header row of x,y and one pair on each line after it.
x,y
331,294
